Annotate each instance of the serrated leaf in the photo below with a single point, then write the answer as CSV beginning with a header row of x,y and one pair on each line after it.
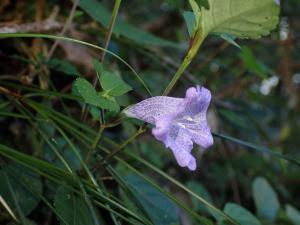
x,y
265,199
159,208
86,90
243,19
113,85
72,209
63,66
293,214
240,214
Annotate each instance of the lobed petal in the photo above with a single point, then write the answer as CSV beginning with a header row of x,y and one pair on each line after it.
x,y
151,109
181,148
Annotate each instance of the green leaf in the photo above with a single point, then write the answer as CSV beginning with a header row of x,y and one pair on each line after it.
x,y
86,90
243,19
65,150
197,14
109,103
240,214
113,85
230,38
265,198
203,3
200,190
20,189
158,207
63,66
98,12
253,64
189,18
293,214
72,209
98,67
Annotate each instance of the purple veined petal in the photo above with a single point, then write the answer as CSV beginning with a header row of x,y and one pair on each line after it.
x,y
193,118
152,108
196,101
181,148
163,128
179,122
202,136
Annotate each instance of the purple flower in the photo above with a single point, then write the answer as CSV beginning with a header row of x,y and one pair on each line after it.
x,y
179,122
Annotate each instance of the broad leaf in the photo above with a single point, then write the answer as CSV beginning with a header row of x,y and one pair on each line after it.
x,y
240,214
20,189
243,19
86,90
293,214
109,103
113,85
158,207
72,209
265,198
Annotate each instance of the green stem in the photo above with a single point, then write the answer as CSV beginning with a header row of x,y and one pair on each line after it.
x,y
95,143
111,26
109,33
195,44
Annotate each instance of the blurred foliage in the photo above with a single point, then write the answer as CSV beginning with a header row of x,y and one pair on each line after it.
x,y
67,156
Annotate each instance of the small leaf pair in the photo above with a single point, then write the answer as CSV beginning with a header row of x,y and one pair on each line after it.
x,y
112,85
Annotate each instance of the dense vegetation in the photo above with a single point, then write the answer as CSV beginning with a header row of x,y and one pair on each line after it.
x,y
70,155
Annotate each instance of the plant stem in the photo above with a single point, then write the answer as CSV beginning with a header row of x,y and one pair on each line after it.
x,y
195,44
111,26
95,143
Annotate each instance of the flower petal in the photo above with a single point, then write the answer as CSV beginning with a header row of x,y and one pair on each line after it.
x,y
181,148
193,118
202,135
151,109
